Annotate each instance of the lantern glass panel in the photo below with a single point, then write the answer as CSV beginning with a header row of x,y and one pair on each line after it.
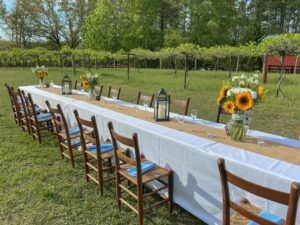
x,y
66,85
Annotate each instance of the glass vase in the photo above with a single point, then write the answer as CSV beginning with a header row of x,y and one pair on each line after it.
x,y
237,126
91,95
41,83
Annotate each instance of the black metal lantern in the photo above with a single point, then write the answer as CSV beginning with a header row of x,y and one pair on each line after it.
x,y
66,85
162,106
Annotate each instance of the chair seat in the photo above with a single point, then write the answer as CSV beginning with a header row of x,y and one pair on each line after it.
x,y
154,174
268,216
105,155
44,116
237,219
104,148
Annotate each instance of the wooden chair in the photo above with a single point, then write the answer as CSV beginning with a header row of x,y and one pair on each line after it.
x,y
13,97
245,212
77,85
220,112
99,90
65,136
12,104
140,180
184,104
97,156
115,92
26,126
39,122
145,98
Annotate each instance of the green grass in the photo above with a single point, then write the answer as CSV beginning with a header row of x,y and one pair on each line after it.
x,y
37,187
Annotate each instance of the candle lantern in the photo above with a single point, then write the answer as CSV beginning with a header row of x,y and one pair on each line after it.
x,y
162,106
66,85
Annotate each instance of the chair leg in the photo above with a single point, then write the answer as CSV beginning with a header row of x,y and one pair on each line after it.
x,y
118,189
61,148
86,168
71,154
170,192
140,207
100,177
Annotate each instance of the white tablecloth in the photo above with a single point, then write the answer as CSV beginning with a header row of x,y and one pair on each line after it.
x,y
193,159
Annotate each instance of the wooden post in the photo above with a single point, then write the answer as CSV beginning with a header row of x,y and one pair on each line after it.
x,y
195,64
128,66
185,71
175,66
73,65
160,63
296,64
237,63
230,61
265,68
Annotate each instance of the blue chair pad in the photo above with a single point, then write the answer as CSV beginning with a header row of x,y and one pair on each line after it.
x,y
268,216
44,116
104,148
74,131
146,166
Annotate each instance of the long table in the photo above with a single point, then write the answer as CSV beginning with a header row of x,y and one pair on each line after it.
x,y
192,158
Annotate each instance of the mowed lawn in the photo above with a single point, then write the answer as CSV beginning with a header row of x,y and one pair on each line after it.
x,y
37,187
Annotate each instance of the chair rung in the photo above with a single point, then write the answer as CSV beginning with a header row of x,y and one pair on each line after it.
x,y
157,203
130,206
93,178
90,154
109,179
91,166
154,192
66,155
128,191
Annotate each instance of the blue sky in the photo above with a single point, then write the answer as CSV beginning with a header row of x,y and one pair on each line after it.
x,y
8,4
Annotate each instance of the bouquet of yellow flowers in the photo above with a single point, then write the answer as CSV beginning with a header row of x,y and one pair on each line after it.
x,y
89,81
40,72
238,97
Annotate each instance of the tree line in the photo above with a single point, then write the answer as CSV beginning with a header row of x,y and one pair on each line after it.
x,y
112,25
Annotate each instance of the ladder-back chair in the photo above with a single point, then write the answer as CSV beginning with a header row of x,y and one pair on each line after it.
x,y
141,179
246,212
149,99
97,156
114,92
66,137
183,104
39,122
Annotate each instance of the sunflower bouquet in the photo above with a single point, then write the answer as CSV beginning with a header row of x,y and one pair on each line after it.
x,y
90,81
238,97
41,72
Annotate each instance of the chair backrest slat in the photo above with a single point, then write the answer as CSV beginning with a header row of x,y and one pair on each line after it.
x,y
184,104
276,196
99,90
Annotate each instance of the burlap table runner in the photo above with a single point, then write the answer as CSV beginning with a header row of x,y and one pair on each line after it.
x,y
270,149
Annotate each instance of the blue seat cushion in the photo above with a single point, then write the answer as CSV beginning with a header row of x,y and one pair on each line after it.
x,y
44,116
104,148
75,130
268,216
146,166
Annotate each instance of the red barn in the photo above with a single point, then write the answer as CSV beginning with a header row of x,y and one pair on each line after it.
x,y
274,63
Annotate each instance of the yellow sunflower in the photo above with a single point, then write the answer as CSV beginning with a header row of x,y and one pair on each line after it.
x,y
229,106
40,74
85,84
244,101
224,90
